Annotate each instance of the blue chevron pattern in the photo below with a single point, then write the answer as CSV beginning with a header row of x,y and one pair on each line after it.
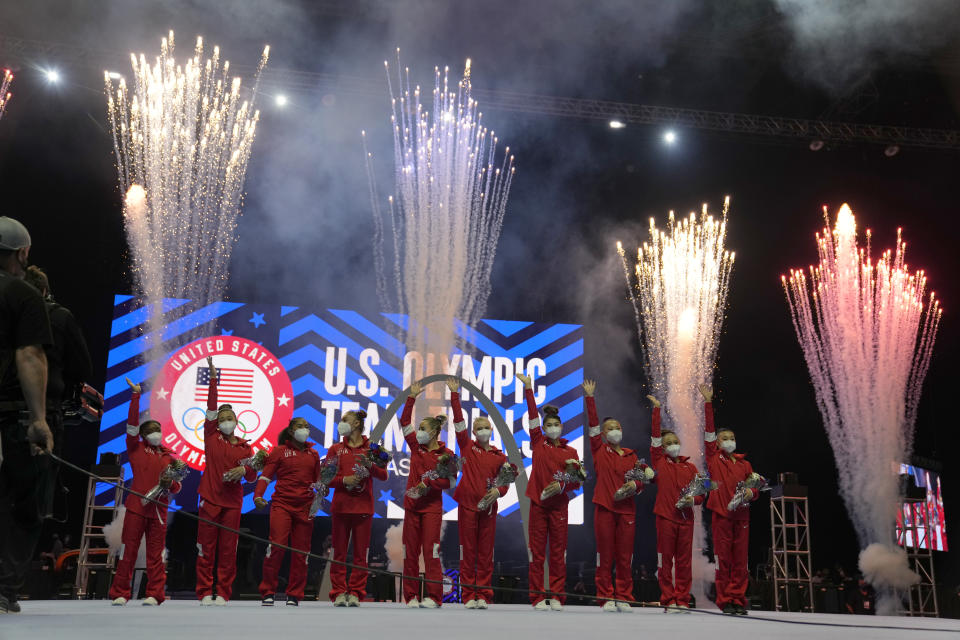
x,y
338,360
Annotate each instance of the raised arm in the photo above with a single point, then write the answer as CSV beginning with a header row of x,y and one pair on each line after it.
x,y
409,431
656,442
133,418
210,424
709,431
533,415
593,419
459,424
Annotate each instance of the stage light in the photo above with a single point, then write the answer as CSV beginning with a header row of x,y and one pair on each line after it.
x,y
114,75
52,75
816,145
891,151
616,124
670,136
280,100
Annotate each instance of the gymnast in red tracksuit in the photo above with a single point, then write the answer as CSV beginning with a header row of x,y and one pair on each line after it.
x,y
352,509
613,520
674,526
148,459
731,530
548,517
423,516
481,462
296,467
221,498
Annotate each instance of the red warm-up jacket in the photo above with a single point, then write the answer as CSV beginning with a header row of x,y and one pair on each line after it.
x,y
221,456
294,470
609,466
359,499
147,463
479,464
673,476
422,460
725,469
547,460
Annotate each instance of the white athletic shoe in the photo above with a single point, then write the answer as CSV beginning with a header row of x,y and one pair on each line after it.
x,y
623,607
341,600
413,603
682,608
428,603
207,601
353,601
556,605
672,608
220,601
150,601
119,602
543,605
610,605
482,604
470,604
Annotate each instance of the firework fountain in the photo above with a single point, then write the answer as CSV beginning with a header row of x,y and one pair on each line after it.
x,y
867,332
5,94
678,289
446,216
182,137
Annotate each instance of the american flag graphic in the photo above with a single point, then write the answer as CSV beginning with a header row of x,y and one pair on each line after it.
x,y
234,385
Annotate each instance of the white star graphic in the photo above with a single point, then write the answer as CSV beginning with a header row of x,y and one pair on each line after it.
x,y
162,393
283,400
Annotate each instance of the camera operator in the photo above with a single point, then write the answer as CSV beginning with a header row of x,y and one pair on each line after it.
x,y
24,332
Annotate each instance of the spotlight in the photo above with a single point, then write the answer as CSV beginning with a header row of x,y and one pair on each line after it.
x,y
280,100
114,75
616,124
816,145
670,136
52,75
891,151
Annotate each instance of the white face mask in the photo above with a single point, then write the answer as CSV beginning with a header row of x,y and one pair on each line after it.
x,y
301,435
728,446
483,435
673,450
227,427
153,439
614,436
553,432
424,437
344,428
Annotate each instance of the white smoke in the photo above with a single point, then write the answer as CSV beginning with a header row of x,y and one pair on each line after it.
x,y
886,568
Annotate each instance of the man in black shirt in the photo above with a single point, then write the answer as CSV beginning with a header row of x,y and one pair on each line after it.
x,y
24,433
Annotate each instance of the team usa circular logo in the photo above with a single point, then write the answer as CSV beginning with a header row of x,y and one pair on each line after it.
x,y
251,380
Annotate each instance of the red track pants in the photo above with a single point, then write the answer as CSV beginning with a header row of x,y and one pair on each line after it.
x,y
674,557
614,534
546,523
345,524
296,527
134,527
477,533
421,533
730,538
214,542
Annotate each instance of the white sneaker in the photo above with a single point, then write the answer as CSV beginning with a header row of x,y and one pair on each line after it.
x,y
428,603
413,603
341,600
543,605
482,604
353,601
220,601
119,602
623,607
556,605
672,608
150,602
610,605
470,604
682,608
207,601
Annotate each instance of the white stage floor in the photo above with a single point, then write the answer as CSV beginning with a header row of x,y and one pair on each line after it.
x,y
183,620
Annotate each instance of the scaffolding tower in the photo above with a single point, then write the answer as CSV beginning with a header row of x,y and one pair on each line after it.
x,y
914,536
790,535
93,543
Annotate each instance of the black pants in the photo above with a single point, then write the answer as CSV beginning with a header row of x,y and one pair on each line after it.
x,y
22,480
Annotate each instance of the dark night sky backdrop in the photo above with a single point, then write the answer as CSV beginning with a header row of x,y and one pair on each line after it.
x,y
304,237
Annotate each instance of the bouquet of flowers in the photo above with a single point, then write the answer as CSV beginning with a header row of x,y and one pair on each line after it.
x,y
328,471
741,497
506,475
448,466
700,485
176,471
641,474
573,473
255,462
376,455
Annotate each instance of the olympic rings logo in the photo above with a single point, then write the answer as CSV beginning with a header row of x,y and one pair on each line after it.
x,y
248,421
